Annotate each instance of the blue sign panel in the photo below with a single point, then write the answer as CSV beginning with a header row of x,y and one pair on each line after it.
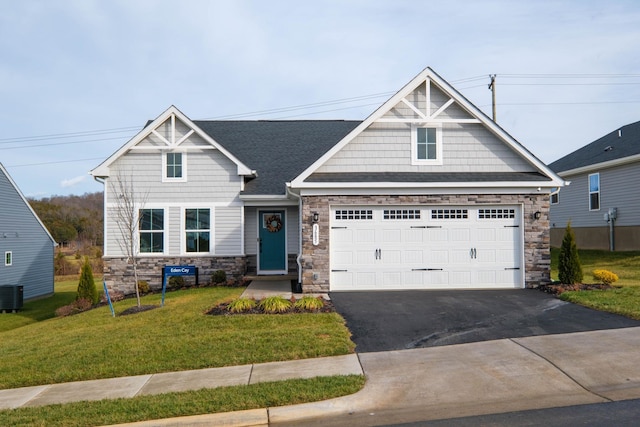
x,y
180,270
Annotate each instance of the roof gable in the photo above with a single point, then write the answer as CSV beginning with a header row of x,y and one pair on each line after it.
x,y
616,147
14,188
169,131
428,98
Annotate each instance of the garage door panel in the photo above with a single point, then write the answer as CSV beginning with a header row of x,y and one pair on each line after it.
x,y
413,248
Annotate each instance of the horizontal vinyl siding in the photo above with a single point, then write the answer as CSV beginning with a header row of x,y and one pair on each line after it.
x,y
251,230
618,189
211,177
29,243
386,147
228,230
293,242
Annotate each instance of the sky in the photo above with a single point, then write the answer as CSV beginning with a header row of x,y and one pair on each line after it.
x,y
79,78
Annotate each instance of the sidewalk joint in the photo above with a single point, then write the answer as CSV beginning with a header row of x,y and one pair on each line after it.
x,y
561,370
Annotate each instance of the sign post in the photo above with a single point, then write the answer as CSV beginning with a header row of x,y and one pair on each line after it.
x,y
177,270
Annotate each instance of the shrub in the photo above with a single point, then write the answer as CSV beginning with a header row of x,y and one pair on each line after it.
x,y
86,286
143,287
241,305
78,306
219,276
569,268
176,282
275,304
605,276
309,303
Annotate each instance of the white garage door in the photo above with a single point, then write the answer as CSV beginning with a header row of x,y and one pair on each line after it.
x,y
418,247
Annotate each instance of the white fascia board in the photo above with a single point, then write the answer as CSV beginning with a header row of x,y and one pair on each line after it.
x,y
421,191
102,170
429,185
601,165
429,74
26,202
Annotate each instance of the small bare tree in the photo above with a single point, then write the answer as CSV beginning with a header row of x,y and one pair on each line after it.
x,y
128,204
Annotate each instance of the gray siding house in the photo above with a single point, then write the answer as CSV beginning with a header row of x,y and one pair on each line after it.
x,y
26,246
425,193
603,200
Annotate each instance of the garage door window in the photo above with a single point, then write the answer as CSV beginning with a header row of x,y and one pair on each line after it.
x,y
496,213
401,214
449,214
354,214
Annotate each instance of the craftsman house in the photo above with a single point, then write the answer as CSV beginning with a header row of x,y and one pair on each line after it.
x,y
425,193
26,246
603,200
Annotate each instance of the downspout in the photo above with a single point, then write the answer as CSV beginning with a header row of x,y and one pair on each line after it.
x,y
299,257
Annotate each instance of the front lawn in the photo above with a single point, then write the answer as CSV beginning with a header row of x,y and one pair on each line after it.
x,y
625,264
179,336
624,299
205,401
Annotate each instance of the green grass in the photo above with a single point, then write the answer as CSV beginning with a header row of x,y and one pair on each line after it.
x,y
178,336
625,264
624,301
42,309
169,405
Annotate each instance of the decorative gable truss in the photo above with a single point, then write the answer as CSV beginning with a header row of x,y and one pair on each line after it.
x,y
428,136
171,132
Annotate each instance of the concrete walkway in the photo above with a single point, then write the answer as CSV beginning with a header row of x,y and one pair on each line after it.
x,y
405,385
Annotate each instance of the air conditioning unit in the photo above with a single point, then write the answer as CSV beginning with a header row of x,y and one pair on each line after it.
x,y
11,297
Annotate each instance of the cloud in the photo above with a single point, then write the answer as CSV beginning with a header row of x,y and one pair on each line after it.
x,y
73,181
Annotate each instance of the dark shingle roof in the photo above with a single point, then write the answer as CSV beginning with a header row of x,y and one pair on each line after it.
x,y
278,150
427,177
609,147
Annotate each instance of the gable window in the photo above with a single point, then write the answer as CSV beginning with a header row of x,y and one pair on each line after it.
x,y
197,229
151,230
426,145
174,166
8,258
594,192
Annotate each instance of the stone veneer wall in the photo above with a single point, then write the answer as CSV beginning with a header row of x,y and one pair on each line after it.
x,y
119,274
315,259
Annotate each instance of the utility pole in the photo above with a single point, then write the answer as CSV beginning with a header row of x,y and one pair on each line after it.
x,y
492,86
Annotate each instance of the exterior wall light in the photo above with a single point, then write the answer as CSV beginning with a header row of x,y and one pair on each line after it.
x,y
315,217
537,215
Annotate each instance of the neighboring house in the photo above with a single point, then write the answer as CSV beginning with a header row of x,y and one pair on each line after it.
x,y
605,180
426,193
26,246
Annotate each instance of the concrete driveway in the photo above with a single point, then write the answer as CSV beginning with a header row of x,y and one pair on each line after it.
x,y
383,321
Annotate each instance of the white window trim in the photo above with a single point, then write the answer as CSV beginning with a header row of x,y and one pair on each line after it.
x,y
414,144
10,254
183,231
165,231
554,193
593,192
165,178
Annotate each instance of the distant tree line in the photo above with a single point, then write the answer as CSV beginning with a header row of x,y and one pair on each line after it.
x,y
72,219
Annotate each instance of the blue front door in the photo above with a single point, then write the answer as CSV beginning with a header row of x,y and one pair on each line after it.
x,y
272,242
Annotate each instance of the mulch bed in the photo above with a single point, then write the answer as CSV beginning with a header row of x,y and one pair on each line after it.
x,y
222,310
135,309
557,289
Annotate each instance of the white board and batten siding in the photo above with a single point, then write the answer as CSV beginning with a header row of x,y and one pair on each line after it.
x,y
426,247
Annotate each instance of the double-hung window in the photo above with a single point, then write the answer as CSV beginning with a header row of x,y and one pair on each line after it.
x,y
555,196
198,230
174,166
426,145
594,192
151,229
